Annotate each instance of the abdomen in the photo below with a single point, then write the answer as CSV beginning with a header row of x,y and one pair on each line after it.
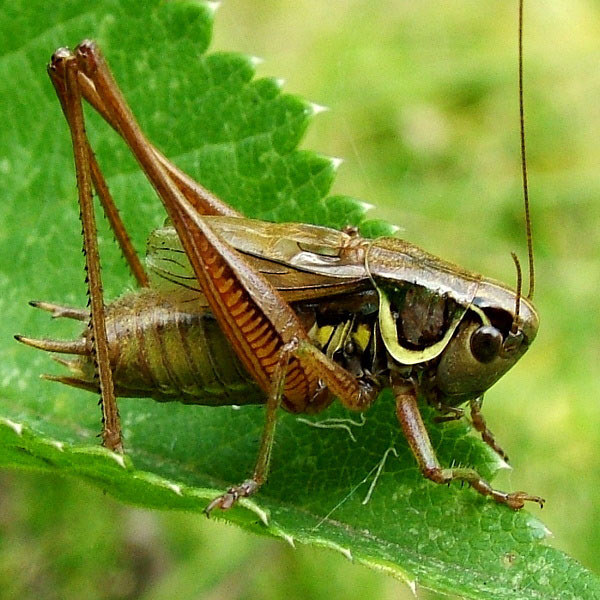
x,y
167,345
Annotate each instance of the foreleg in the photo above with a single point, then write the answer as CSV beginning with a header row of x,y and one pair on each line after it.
x,y
414,429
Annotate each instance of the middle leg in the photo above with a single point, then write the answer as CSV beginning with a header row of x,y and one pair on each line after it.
x,y
261,468
480,425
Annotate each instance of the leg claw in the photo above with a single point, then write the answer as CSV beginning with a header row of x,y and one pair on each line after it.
x,y
232,495
517,500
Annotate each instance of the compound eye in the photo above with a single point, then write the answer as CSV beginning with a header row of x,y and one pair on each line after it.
x,y
486,343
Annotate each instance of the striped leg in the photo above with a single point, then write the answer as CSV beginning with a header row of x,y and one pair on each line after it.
x,y
252,314
71,99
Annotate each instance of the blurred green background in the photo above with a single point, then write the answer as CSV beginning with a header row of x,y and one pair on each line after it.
x,y
424,111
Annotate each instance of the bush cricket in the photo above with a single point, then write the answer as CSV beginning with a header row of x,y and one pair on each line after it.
x,y
238,311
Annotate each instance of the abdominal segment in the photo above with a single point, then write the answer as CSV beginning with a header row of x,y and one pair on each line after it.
x,y
168,346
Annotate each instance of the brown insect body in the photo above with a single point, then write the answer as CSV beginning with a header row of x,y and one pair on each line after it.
x,y
164,343
242,311
330,278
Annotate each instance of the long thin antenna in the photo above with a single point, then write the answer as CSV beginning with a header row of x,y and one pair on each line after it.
x,y
515,325
523,158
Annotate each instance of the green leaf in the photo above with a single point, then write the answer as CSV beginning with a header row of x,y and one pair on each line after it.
x,y
238,136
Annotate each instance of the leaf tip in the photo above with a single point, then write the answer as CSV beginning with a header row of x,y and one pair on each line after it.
x,y
502,464
288,538
58,445
212,6
118,458
256,60
316,109
341,549
412,586
346,552
545,533
175,488
336,162
16,427
366,206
